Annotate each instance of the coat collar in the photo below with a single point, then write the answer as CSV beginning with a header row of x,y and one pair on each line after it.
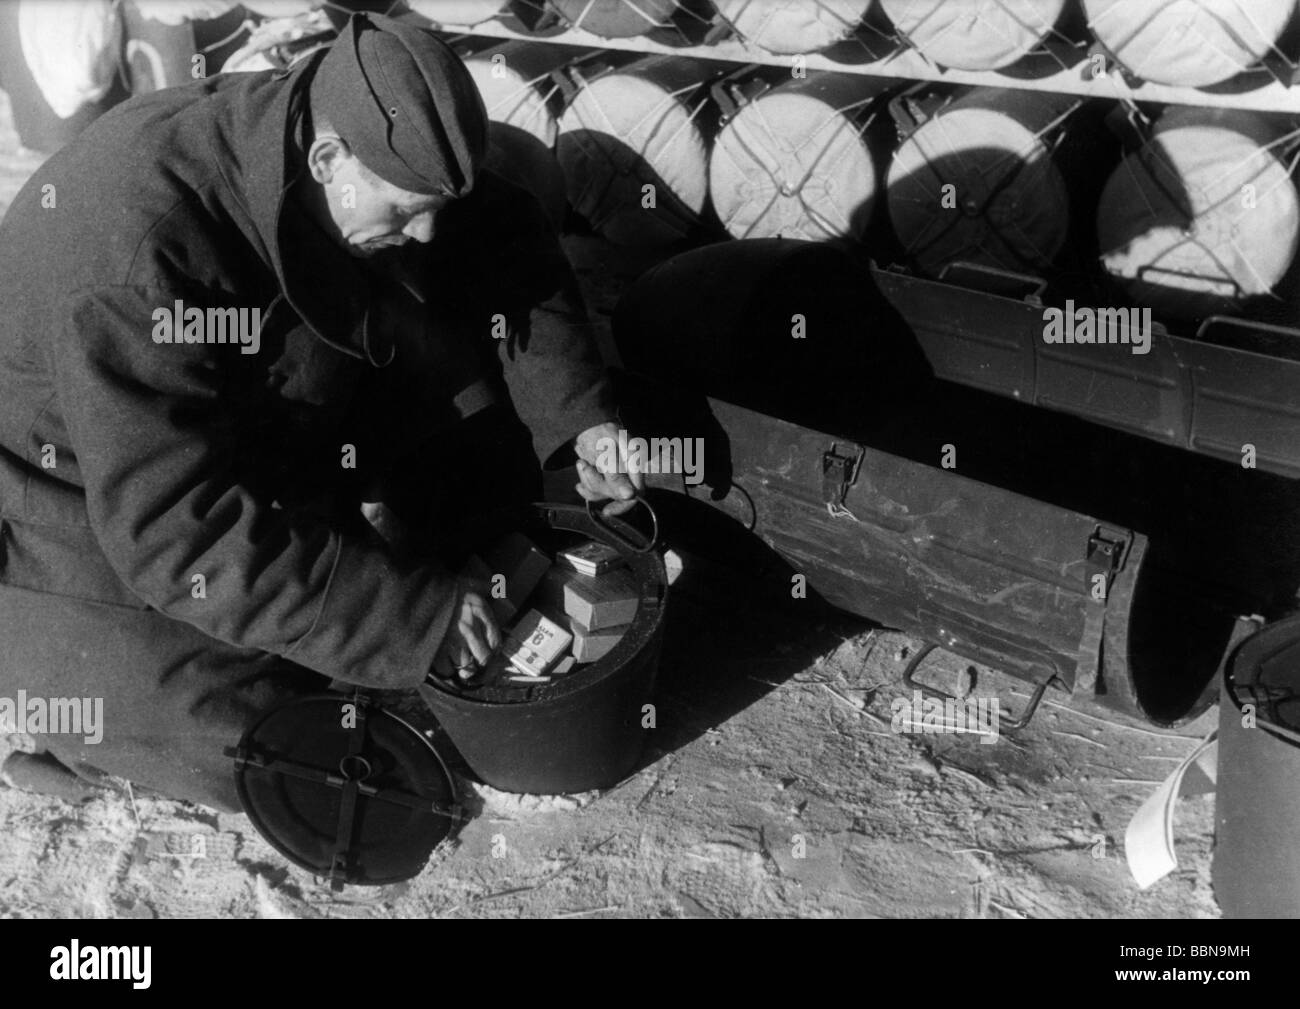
x,y
260,135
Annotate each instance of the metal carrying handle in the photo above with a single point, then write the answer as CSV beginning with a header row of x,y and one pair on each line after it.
x,y
1246,325
1036,285
651,542
914,663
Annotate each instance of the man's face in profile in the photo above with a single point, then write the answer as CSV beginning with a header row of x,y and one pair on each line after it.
x,y
367,213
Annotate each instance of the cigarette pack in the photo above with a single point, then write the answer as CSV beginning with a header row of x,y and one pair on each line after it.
x,y
596,603
535,644
588,646
592,558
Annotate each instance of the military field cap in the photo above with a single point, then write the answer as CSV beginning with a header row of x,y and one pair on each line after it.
x,y
405,104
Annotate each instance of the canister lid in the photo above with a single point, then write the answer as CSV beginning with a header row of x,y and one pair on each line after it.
x,y
345,789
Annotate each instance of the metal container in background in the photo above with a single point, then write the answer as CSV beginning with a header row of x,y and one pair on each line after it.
x,y
794,161
61,65
786,27
170,43
974,34
617,19
515,81
635,124
1188,43
1205,216
458,13
1256,866
524,103
976,181
1055,552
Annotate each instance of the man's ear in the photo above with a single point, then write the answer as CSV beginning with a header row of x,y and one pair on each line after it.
x,y
325,156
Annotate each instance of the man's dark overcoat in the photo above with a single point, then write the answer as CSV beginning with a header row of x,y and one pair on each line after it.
x,y
178,521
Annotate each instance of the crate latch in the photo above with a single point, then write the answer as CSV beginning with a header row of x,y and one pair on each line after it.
x,y
1107,551
839,472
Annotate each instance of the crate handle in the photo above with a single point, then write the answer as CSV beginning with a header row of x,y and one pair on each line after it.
x,y
909,678
651,542
1247,324
1036,285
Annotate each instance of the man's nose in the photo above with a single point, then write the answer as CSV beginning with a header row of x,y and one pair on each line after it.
x,y
420,228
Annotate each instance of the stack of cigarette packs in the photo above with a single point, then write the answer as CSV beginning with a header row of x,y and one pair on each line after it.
x,y
597,596
555,616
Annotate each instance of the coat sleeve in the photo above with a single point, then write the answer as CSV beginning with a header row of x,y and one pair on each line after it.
x,y
549,358
553,370
152,429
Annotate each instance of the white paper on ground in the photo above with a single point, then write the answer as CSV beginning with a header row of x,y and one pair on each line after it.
x,y
1149,839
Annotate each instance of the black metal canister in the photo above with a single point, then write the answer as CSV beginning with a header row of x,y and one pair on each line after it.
x,y
1256,869
584,730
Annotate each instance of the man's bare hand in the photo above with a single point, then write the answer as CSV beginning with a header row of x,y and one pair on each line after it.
x,y
605,473
473,635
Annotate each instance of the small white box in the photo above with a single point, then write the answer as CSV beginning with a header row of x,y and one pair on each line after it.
x,y
535,644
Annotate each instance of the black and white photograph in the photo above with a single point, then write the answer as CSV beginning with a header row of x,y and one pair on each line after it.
x,y
651,459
